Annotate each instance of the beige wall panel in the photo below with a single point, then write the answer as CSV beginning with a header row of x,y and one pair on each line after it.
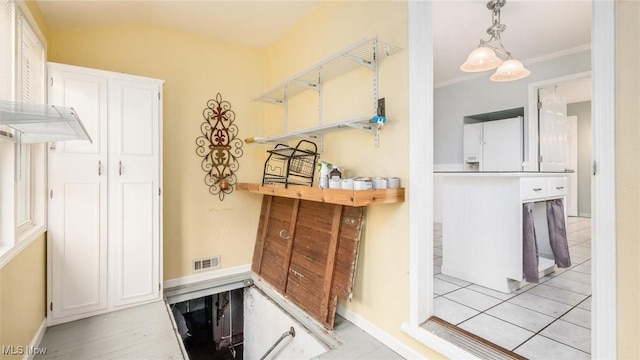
x,y
628,176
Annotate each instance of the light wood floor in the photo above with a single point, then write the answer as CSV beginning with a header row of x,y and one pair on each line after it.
x,y
141,332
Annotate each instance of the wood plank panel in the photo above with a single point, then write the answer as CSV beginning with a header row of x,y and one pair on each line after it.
x,y
308,252
262,234
288,237
331,262
348,247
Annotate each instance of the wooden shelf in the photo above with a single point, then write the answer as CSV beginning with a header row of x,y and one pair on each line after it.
x,y
331,196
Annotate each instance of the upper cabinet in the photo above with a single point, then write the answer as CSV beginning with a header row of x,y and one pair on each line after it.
x,y
366,53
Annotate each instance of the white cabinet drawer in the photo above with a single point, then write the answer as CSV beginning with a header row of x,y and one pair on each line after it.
x,y
558,186
534,188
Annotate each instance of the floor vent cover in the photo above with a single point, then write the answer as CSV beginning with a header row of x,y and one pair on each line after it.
x,y
206,264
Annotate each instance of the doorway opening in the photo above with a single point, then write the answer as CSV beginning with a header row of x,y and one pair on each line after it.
x,y
554,315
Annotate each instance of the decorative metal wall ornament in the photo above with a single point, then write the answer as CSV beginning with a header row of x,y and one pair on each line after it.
x,y
219,146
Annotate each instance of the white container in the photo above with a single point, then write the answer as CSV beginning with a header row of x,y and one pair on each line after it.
x,y
362,184
379,183
323,180
393,182
335,183
346,183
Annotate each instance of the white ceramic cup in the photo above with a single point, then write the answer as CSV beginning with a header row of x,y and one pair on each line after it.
x,y
393,182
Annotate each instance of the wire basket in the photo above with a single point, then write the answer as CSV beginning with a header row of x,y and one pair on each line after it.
x,y
291,165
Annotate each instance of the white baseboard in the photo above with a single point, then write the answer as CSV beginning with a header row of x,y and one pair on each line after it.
x,y
389,341
436,343
209,275
37,338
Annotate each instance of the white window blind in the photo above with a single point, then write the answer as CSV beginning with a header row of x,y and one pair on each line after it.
x,y
30,89
7,49
31,66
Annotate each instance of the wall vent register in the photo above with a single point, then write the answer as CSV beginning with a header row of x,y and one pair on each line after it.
x,y
206,264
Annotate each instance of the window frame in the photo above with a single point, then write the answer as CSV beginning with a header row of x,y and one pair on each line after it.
x,y
17,234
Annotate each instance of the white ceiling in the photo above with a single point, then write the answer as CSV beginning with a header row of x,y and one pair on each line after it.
x,y
534,27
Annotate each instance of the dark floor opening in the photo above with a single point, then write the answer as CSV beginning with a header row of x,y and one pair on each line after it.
x,y
211,327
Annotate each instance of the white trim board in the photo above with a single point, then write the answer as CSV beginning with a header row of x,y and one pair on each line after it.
x,y
379,334
210,275
28,238
603,188
420,161
37,338
209,283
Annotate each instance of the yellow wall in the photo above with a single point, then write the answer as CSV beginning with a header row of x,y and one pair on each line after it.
x,y
196,223
628,176
23,284
381,294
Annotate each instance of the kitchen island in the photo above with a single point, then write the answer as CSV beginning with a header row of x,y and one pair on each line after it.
x,y
482,224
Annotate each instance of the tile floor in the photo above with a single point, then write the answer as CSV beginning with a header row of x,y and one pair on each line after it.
x,y
551,319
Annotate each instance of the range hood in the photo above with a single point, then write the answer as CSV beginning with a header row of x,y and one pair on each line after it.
x,y
36,123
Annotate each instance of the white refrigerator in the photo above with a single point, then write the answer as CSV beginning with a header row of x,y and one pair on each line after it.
x,y
494,145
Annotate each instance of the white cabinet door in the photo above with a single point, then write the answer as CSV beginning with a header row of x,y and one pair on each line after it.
x,y
77,231
134,191
104,207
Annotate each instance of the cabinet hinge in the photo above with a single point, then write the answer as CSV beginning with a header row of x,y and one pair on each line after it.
x,y
51,306
51,194
539,105
539,158
51,81
159,191
595,167
159,287
158,96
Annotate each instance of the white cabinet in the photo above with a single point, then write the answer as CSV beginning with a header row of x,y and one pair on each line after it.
x,y
482,225
104,239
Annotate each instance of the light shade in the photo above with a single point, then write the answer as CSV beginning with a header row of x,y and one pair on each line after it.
x,y
481,59
510,70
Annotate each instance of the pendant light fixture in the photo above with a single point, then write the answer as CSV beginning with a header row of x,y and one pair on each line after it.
x,y
484,57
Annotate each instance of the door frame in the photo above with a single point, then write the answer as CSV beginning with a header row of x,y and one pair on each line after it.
x,y
604,289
